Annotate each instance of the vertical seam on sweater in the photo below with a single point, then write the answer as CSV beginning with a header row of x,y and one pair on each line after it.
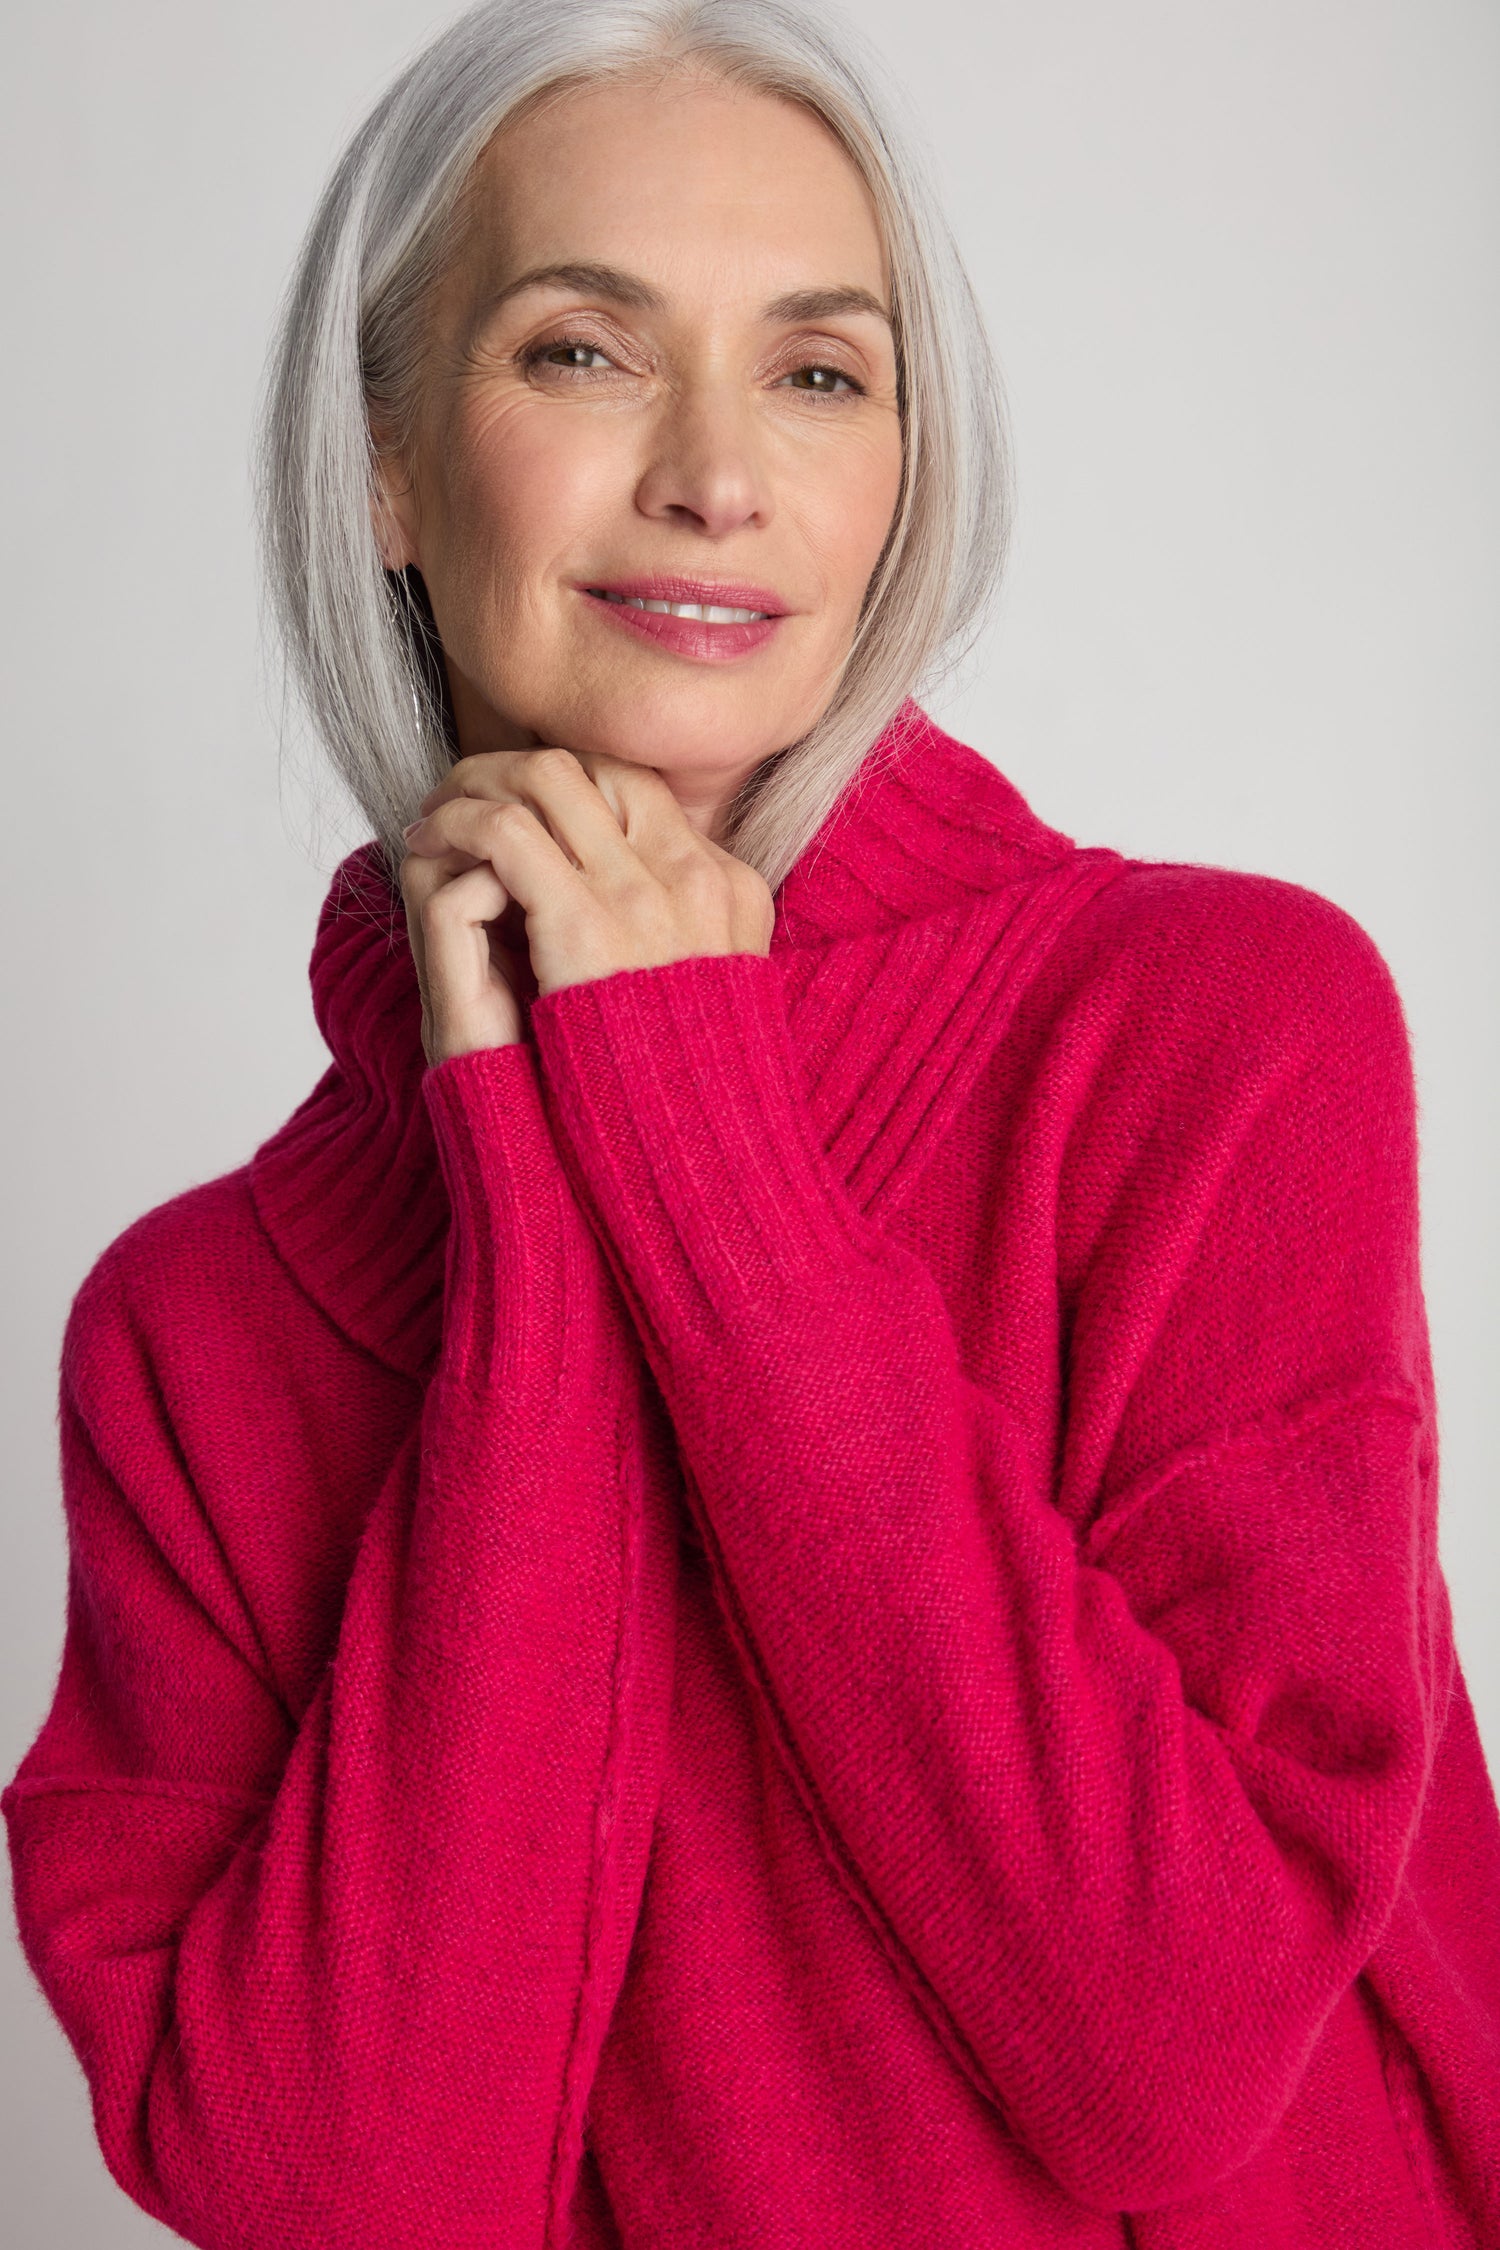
x,y
1396,2072
606,1841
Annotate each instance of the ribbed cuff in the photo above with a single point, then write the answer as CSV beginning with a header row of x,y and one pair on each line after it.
x,y
675,1097
516,1233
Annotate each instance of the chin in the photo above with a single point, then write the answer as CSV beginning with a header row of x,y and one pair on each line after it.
x,y
675,733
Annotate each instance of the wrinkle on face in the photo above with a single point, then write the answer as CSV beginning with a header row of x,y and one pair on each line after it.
x,y
694,444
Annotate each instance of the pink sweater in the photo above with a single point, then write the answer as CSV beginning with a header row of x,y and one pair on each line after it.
x,y
803,1617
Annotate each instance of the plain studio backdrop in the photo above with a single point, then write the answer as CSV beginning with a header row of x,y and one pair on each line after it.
x,y
1239,262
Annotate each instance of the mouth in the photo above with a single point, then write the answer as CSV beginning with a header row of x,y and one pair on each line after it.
x,y
715,601
704,622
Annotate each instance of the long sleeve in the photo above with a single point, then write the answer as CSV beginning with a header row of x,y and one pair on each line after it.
x,y
339,1976
1126,1794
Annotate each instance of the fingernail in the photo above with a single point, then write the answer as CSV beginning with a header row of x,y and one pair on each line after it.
x,y
410,829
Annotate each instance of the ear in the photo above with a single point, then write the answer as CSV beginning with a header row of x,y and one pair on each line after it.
x,y
393,513
396,550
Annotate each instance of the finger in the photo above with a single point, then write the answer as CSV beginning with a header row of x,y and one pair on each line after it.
x,y
492,773
513,838
500,776
587,799
460,964
649,817
418,877
421,877
555,785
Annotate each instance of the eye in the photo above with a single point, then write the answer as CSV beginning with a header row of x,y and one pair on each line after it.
x,y
567,352
825,389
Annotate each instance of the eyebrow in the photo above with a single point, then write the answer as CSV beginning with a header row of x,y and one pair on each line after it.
x,y
629,289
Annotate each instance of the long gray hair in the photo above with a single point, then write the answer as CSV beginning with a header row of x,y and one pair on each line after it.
x,y
360,640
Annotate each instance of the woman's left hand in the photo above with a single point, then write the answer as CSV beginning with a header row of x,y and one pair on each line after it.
x,y
606,867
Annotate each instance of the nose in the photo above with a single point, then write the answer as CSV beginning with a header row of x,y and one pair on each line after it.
x,y
706,468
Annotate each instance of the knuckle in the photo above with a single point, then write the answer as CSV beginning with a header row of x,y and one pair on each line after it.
x,y
454,782
478,762
631,893
418,876
436,908
654,786
510,817
698,878
550,763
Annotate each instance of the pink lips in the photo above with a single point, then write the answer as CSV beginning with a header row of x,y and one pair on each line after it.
x,y
691,637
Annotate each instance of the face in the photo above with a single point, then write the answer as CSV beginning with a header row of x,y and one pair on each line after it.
x,y
702,410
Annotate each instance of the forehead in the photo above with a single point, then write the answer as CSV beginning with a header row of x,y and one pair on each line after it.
x,y
690,182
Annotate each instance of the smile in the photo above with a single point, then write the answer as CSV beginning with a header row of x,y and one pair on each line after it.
x,y
709,615
702,632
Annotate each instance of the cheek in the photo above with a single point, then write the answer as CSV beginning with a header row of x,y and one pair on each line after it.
x,y
846,506
521,487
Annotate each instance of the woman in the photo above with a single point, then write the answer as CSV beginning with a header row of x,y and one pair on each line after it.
x,y
771,1579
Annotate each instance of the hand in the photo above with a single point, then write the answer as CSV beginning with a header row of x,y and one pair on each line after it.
x,y
594,867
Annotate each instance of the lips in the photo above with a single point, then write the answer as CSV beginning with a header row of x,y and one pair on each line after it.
x,y
704,592
702,640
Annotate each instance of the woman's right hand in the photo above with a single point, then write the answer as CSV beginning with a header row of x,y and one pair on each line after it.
x,y
468,941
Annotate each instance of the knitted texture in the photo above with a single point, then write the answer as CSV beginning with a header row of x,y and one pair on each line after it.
x,y
802,1613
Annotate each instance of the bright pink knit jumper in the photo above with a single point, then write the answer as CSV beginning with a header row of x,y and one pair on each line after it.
x,y
804,1616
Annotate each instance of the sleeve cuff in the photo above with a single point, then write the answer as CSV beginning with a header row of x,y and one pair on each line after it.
x,y
676,1101
516,1236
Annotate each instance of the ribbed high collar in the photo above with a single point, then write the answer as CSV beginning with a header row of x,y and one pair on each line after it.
x,y
350,1190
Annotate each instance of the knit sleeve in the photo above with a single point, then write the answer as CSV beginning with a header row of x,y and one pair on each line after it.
x,y
339,1976
1128,1806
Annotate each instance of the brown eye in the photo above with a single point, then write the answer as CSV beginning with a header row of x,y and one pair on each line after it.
x,y
825,388
540,352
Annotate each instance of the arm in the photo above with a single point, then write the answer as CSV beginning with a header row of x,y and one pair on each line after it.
x,y
342,1980
1128,1810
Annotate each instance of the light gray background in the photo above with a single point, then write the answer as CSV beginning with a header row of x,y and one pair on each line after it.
x,y
1239,260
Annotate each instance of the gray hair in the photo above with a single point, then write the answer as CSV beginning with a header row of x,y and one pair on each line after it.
x,y
359,640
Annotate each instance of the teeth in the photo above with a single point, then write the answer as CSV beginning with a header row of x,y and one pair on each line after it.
x,y
708,613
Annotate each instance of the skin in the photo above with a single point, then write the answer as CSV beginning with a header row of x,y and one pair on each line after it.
x,y
567,435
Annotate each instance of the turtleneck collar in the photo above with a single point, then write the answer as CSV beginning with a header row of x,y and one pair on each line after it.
x,y
349,1189
928,825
